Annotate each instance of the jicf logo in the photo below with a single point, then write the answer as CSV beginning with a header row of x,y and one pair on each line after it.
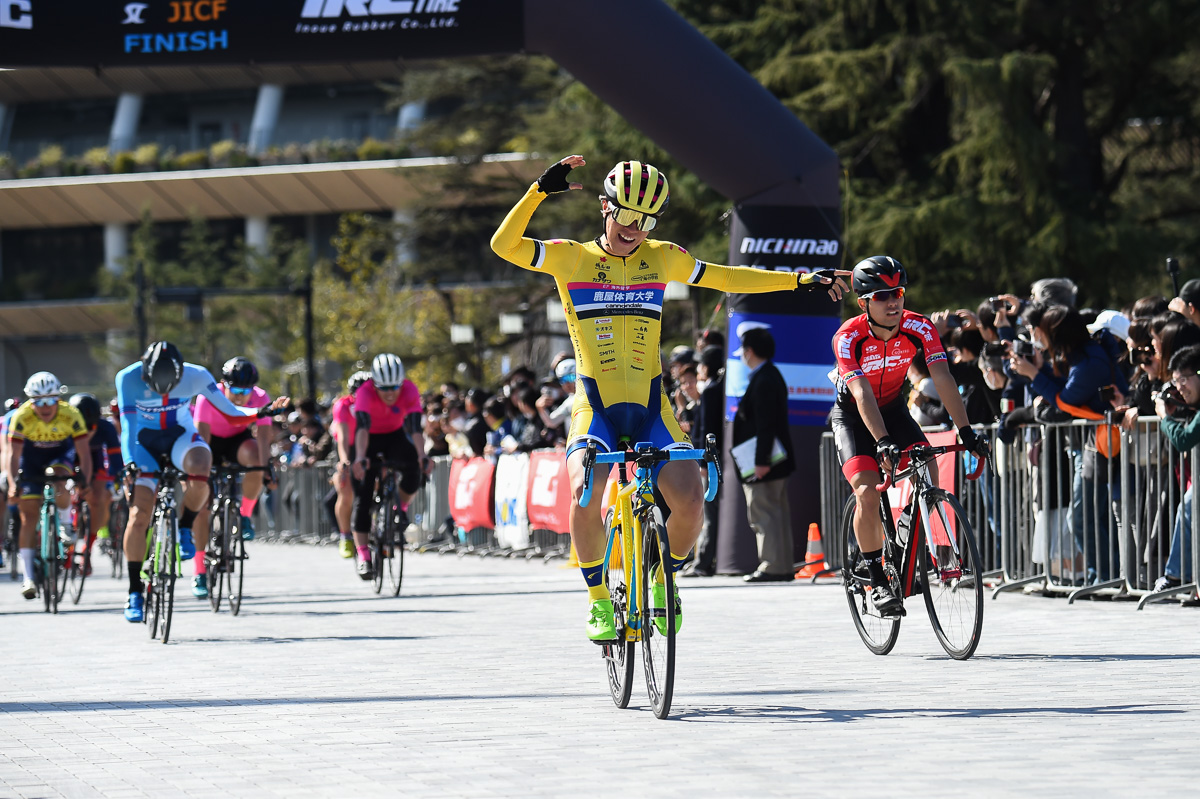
x,y
16,14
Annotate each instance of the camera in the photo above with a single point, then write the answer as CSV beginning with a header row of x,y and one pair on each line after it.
x,y
1141,356
953,321
998,305
1176,405
1023,348
994,349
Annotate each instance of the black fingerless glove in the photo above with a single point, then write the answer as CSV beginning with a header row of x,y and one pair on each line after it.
x,y
554,179
806,280
886,448
974,442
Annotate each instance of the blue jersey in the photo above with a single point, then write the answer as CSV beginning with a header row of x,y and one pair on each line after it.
x,y
142,408
106,448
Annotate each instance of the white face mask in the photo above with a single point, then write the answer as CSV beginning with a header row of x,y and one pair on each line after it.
x,y
459,423
701,385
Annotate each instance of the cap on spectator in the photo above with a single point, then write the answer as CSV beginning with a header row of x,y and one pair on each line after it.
x,y
1114,322
925,386
294,417
565,371
683,354
1190,293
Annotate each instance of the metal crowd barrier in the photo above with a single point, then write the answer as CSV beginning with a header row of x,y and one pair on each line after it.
x,y
1053,515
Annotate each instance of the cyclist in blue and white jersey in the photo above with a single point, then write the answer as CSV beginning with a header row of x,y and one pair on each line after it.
x,y
155,396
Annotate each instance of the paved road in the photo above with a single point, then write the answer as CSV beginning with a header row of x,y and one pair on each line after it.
x,y
478,682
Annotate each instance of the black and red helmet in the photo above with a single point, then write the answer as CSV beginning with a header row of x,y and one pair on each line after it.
x,y
878,273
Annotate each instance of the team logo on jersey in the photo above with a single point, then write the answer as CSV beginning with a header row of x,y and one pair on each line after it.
x,y
920,326
872,363
643,266
604,337
604,321
844,342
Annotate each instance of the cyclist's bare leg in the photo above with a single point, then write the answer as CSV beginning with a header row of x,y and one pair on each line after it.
x,y
197,463
99,500
683,491
868,527
200,528
141,515
587,524
345,497
252,482
29,508
62,497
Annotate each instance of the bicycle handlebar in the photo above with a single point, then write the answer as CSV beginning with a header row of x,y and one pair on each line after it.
x,y
646,456
926,453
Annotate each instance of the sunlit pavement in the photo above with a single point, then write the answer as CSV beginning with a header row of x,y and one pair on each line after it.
x,y
478,681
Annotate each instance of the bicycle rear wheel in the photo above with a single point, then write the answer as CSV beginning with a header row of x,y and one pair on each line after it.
x,y
658,647
152,568
879,633
235,557
79,562
952,582
393,558
118,518
618,656
215,557
376,546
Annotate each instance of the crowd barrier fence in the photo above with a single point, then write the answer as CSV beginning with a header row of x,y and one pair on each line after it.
x,y
1054,515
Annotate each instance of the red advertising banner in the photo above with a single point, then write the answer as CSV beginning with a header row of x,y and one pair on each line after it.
x,y
899,495
471,484
549,499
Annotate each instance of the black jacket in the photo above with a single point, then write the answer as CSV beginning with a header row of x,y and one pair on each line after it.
x,y
763,412
711,418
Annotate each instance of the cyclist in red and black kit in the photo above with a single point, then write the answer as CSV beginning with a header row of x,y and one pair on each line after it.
x,y
871,423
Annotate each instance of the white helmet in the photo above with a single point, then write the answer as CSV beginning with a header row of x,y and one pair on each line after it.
x,y
387,370
42,384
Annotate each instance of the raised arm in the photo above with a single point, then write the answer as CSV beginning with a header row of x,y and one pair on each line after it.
x,y
510,242
744,279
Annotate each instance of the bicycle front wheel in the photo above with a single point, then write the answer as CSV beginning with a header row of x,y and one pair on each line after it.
x,y
78,563
118,518
658,623
214,560
952,581
393,556
235,557
169,570
378,546
618,656
878,632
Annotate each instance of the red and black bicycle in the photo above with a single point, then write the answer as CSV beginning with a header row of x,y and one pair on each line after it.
x,y
929,549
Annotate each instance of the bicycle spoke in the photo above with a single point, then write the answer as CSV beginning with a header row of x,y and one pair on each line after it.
x,y
951,580
618,656
879,633
658,640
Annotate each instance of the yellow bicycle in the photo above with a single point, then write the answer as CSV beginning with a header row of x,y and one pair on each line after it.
x,y
634,558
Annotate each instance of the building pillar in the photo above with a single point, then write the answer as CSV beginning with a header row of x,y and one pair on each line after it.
x,y
257,229
125,122
116,246
6,117
404,251
410,117
266,117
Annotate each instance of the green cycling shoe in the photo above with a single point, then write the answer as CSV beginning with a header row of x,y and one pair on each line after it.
x,y
602,622
658,599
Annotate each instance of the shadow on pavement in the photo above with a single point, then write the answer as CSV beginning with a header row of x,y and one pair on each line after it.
x,y
1086,658
190,704
750,713
263,639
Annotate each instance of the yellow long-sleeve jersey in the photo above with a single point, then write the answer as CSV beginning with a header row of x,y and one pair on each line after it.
x,y
614,304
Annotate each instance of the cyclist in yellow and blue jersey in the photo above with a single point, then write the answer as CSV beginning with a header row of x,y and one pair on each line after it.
x,y
43,434
612,294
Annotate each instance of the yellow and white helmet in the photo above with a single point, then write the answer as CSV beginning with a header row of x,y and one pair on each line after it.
x,y
638,187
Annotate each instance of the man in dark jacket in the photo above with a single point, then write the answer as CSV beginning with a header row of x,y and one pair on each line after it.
x,y
762,415
710,419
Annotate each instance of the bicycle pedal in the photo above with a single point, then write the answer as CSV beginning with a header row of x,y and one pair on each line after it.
x,y
606,642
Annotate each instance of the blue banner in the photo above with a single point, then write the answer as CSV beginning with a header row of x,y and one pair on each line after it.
x,y
803,355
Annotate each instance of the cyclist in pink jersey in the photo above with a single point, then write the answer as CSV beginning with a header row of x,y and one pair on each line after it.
x,y
232,443
387,409
341,496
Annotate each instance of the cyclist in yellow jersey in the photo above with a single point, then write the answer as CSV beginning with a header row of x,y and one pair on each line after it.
x,y
612,295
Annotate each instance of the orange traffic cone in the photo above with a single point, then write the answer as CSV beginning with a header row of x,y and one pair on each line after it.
x,y
814,560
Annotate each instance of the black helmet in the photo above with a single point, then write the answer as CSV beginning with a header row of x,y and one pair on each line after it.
x,y
162,367
878,273
88,407
239,372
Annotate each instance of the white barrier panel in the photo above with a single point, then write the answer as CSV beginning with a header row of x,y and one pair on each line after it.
x,y
512,520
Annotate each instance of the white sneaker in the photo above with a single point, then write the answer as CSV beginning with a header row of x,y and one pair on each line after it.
x,y
29,589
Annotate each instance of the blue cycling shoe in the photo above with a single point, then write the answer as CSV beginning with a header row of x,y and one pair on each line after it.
x,y
133,609
247,529
187,548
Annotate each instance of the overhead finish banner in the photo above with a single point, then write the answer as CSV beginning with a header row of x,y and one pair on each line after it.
x,y
66,33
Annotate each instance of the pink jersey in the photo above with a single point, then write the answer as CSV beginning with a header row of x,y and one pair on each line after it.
x,y
220,427
387,418
343,411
